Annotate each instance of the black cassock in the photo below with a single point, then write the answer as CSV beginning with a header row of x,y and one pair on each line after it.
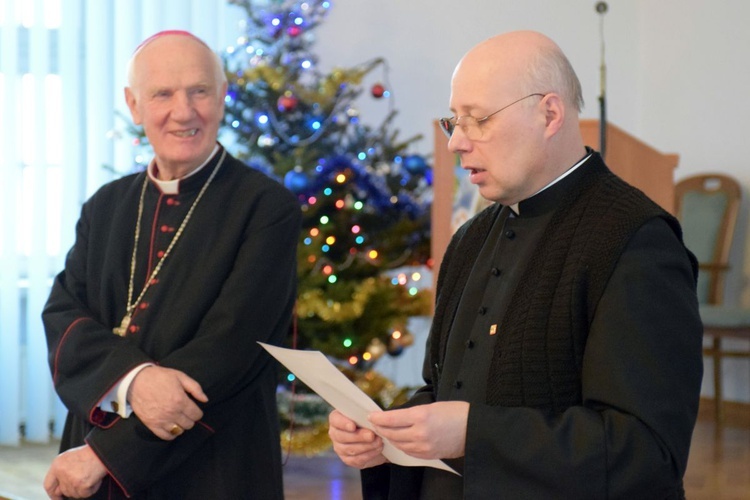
x,y
228,282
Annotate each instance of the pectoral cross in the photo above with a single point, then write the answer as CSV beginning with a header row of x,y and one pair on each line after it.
x,y
123,328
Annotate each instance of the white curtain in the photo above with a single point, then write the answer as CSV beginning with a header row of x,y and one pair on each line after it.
x,y
62,71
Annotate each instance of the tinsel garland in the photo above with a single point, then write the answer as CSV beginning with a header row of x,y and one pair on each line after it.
x,y
316,303
307,441
277,79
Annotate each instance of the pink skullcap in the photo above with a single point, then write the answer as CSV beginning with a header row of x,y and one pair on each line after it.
x,y
168,33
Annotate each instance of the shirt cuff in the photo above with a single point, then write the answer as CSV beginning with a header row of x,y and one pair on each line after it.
x,y
116,400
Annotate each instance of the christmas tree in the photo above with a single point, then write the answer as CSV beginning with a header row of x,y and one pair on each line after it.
x,y
365,201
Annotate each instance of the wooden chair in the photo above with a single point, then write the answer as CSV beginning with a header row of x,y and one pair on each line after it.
x,y
707,206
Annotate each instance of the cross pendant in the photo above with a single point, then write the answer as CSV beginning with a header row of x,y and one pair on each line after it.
x,y
123,328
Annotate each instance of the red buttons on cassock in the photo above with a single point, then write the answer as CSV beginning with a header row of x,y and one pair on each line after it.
x,y
160,253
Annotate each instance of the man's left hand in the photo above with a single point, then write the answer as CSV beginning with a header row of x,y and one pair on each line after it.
x,y
76,473
432,431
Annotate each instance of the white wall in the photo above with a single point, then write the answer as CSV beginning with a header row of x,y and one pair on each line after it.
x,y
676,75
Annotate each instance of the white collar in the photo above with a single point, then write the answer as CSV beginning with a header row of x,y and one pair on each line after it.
x,y
173,186
514,207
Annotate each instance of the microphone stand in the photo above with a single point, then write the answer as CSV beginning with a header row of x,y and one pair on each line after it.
x,y
601,8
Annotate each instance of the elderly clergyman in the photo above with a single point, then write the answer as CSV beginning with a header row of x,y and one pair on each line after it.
x,y
174,276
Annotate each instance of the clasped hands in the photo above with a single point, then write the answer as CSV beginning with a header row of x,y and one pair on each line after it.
x,y
160,397
432,431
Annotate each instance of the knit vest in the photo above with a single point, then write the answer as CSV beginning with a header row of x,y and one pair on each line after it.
x,y
538,356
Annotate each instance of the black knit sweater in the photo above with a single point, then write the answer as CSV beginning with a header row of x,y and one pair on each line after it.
x,y
537,361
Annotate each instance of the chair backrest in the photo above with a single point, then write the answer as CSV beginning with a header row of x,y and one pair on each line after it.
x,y
707,206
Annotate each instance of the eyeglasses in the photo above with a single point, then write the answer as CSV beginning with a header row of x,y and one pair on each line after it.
x,y
470,125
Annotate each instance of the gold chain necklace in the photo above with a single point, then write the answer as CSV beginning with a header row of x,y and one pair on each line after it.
x,y
130,307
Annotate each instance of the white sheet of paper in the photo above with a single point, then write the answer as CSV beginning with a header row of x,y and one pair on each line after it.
x,y
320,375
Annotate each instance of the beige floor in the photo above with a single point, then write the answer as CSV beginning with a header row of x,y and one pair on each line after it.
x,y
718,469
22,470
322,477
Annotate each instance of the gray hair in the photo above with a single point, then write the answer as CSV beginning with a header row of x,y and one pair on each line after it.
x,y
551,71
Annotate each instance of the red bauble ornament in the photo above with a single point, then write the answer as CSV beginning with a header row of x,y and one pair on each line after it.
x,y
287,102
377,91
294,31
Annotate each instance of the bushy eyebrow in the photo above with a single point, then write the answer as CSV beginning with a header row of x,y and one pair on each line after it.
x,y
206,85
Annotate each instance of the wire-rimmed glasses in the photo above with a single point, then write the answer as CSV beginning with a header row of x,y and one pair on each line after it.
x,y
471,125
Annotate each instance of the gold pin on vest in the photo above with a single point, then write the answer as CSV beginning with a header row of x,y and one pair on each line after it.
x,y
493,329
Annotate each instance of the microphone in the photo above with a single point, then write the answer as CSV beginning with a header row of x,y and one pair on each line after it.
x,y
601,7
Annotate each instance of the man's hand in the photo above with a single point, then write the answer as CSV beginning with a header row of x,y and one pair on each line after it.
x,y
432,431
160,398
357,447
76,473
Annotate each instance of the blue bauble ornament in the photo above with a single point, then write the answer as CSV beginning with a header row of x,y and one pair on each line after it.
x,y
296,181
428,176
395,351
415,164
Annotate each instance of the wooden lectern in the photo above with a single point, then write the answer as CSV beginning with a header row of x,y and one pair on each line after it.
x,y
630,158
636,162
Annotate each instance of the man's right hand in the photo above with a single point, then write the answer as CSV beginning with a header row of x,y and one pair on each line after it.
x,y
357,447
160,398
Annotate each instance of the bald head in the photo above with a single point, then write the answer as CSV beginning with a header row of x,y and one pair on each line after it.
x,y
172,44
520,63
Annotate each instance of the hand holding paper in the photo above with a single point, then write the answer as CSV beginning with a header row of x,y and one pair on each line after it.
x,y
320,375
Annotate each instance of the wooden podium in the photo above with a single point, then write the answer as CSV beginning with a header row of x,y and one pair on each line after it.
x,y
630,158
636,162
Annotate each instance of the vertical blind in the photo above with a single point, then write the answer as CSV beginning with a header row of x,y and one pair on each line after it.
x,y
62,71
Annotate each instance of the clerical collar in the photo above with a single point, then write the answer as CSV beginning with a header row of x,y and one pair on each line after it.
x,y
515,208
173,186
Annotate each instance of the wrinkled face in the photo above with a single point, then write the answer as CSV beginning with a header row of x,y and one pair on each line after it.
x,y
507,161
177,96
